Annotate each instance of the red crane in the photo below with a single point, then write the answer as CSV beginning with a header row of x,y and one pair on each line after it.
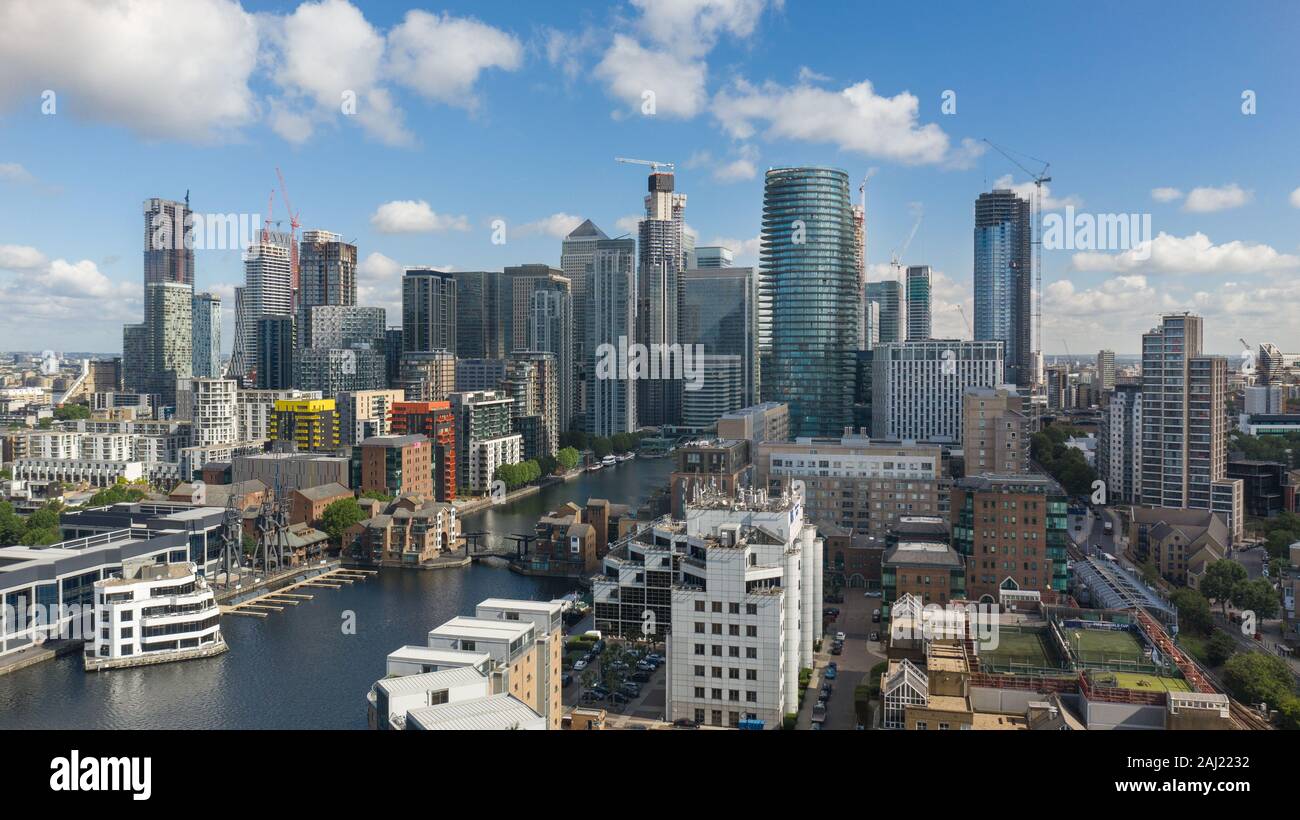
x,y
293,232
266,223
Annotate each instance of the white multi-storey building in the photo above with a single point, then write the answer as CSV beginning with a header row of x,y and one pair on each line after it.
x,y
917,386
745,610
213,412
154,613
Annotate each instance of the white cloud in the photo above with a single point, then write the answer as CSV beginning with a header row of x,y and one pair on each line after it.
x,y
692,27
1025,190
855,119
414,216
1166,194
744,251
378,266
1194,254
1295,198
160,71
633,73
14,172
20,257
558,225
807,75
565,51
1209,199
739,169
628,224
441,57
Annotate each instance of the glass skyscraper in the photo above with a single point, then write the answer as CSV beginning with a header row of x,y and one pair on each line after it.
x,y
808,269
1004,283
887,295
719,311
919,288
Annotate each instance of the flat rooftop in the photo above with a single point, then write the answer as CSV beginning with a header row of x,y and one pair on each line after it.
x,y
494,712
482,629
548,607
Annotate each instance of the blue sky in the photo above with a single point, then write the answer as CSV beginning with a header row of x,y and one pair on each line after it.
x,y
514,111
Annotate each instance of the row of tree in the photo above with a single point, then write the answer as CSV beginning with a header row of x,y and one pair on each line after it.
x,y
601,445
1066,464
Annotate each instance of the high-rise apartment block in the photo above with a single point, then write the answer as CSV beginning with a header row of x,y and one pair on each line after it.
x,y
1004,280
611,327
920,287
429,310
1184,423
1119,445
807,260
206,335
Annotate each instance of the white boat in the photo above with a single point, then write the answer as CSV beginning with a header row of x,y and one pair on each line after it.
x,y
626,456
608,461
594,467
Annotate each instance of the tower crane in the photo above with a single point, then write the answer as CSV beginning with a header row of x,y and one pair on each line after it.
x,y
897,255
1036,217
294,224
654,166
962,310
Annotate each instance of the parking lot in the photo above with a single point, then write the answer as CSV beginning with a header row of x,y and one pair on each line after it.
x,y
647,706
856,660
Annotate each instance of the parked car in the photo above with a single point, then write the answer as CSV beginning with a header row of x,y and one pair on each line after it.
x,y
641,676
827,688
837,649
685,723
875,617
872,593
832,670
630,689
618,698
580,664
839,636
566,680
875,636
816,727
819,713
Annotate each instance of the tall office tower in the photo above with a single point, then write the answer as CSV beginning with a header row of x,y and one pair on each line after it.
x,y
888,296
532,380
168,257
550,329
169,334
719,312
365,413
275,345
327,270
1106,369
207,336
482,302
576,252
484,440
919,294
713,256
479,374
995,431
267,291
392,354
340,347
721,390
659,269
611,324
521,282
808,262
1119,449
871,324
917,387
1184,427
135,358
1004,280
428,375
428,310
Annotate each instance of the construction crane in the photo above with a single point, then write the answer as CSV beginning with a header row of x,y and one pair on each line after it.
x,y
654,166
862,199
294,224
896,256
1036,217
266,223
962,311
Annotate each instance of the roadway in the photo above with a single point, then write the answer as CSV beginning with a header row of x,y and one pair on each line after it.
x,y
860,654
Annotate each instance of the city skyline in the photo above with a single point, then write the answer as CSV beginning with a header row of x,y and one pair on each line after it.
x,y
728,76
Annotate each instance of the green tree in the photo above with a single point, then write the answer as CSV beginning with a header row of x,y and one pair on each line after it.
x,y
1219,648
1221,578
1257,596
340,516
376,495
601,446
1254,677
72,412
568,458
1193,610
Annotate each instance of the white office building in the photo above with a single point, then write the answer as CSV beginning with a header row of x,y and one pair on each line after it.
x,y
1119,449
154,613
917,386
745,611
